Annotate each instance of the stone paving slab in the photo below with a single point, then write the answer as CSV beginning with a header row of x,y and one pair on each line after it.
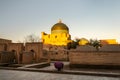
x,y
25,75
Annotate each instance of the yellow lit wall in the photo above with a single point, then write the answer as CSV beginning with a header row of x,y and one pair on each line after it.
x,y
56,39
108,41
59,35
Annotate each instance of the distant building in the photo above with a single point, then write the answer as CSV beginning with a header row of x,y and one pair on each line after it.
x,y
83,41
108,41
59,35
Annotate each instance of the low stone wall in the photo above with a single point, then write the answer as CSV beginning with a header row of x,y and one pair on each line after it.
x,y
94,58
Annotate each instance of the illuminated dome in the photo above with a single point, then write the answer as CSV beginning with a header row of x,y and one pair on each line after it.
x,y
59,28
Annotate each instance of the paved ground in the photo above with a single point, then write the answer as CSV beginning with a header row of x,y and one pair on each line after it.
x,y
37,74
25,75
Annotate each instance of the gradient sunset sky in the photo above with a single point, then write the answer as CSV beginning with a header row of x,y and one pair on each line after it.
x,y
96,19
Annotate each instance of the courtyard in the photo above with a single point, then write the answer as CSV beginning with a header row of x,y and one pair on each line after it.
x,y
50,73
25,75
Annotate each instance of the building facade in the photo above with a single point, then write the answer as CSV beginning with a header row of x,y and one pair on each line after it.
x,y
108,41
59,35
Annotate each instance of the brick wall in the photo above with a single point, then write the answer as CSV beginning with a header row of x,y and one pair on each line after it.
x,y
6,41
94,58
17,48
7,57
27,57
85,48
2,47
37,48
60,55
111,47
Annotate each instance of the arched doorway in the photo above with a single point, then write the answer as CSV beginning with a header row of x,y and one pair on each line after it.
x,y
34,55
15,56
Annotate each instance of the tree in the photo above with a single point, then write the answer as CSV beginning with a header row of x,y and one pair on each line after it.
x,y
77,41
31,38
95,43
72,45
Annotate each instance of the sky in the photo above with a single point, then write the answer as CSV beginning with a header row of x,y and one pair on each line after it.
x,y
91,19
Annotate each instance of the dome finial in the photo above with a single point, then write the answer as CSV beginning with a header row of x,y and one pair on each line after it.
x,y
60,21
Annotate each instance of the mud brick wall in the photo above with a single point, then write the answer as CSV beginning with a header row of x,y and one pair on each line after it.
x,y
37,48
27,57
2,47
59,55
112,47
5,41
7,57
17,48
94,58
